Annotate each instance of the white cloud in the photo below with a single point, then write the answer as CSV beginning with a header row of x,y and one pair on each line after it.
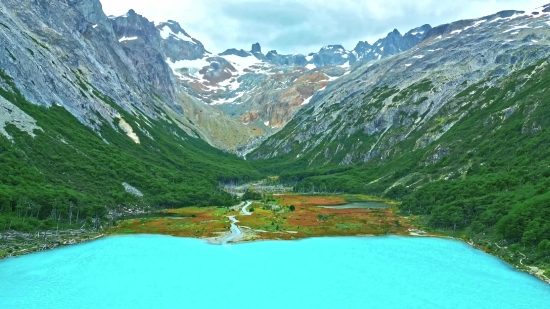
x,y
305,25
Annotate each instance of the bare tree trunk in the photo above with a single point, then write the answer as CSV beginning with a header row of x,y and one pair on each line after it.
x,y
70,213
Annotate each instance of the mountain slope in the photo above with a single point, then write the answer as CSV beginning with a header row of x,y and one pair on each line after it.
x,y
85,124
458,129
386,104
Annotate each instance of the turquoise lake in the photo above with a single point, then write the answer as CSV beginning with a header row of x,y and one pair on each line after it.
x,y
355,272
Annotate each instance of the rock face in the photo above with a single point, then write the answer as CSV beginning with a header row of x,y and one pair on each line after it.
x,y
256,48
408,101
136,33
57,56
11,114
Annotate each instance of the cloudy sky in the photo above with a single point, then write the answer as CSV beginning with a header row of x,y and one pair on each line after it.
x,y
305,26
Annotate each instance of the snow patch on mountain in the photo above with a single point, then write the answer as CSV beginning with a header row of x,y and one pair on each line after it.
x,y
241,63
124,39
306,101
514,28
193,66
166,33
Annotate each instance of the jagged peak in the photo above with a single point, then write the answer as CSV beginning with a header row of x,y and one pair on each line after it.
x,y
363,43
256,48
130,13
394,33
237,52
172,30
332,47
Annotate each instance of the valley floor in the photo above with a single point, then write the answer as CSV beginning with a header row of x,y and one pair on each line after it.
x,y
285,217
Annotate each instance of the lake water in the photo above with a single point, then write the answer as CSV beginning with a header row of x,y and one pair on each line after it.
x,y
367,205
165,272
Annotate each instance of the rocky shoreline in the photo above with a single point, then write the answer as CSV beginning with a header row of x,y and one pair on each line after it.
x,y
13,243
532,270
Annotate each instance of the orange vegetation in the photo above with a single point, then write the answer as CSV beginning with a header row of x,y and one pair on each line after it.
x,y
275,221
308,220
194,222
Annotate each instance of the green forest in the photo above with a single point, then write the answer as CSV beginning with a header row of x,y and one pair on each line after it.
x,y
69,175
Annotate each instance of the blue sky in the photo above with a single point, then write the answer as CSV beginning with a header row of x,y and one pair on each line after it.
x,y
305,26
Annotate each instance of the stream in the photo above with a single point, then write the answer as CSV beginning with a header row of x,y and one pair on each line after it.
x,y
235,229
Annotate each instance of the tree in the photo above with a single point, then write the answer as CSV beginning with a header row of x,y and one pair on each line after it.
x,y
544,248
5,207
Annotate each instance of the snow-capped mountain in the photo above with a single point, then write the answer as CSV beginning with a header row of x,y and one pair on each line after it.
x,y
237,81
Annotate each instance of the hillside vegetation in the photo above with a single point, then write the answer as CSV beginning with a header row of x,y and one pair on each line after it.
x,y
68,173
487,177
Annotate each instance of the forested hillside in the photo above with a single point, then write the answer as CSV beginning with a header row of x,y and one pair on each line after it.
x,y
489,177
68,173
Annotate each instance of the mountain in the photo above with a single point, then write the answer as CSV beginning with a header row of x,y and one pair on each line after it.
x,y
457,129
262,91
120,113
91,118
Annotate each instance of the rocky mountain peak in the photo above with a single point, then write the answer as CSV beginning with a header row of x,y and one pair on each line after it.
x,y
256,48
174,27
177,44
394,33
133,26
331,48
392,44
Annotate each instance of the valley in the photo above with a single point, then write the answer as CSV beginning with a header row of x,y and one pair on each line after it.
x,y
120,125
